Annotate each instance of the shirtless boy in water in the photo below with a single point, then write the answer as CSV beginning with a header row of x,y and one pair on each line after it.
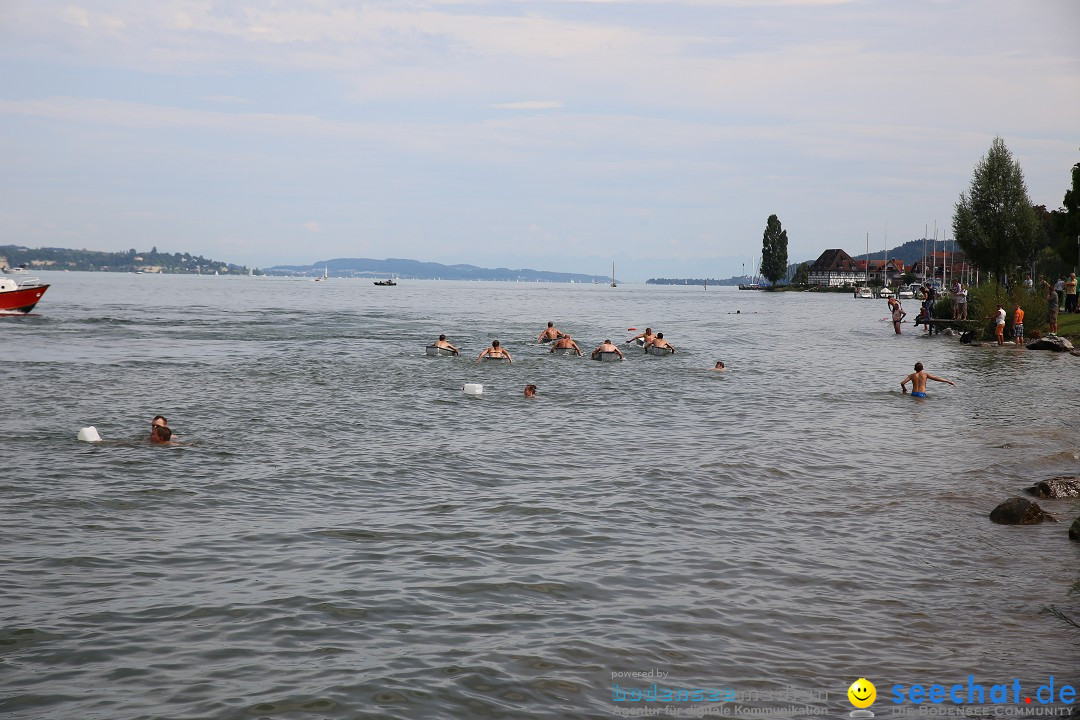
x,y
918,381
608,347
565,342
659,342
550,333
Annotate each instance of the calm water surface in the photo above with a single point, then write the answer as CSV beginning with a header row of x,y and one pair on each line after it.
x,y
343,534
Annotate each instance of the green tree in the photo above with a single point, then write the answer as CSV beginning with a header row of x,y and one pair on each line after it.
x,y
774,250
995,224
1069,222
802,275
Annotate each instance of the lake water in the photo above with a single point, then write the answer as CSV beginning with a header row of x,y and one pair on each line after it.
x,y
342,533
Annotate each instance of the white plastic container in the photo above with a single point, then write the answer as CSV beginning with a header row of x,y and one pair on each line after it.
x,y
473,389
89,434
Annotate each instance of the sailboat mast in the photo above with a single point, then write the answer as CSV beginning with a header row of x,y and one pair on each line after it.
x,y
866,271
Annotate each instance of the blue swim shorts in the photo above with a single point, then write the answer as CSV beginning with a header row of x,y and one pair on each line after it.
x,y
916,393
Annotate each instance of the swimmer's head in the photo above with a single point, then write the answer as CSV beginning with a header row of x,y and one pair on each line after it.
x,y
159,421
918,367
719,364
494,343
608,341
442,337
660,335
551,324
530,391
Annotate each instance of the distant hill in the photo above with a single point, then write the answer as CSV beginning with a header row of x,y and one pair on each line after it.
x,y
130,261
417,270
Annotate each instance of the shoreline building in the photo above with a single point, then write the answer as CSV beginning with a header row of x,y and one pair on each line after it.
x,y
835,268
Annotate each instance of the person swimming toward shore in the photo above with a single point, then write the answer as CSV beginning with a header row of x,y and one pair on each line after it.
x,y
720,366
495,351
565,342
918,381
550,333
530,391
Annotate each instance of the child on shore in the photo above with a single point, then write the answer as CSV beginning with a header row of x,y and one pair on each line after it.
x,y
1018,325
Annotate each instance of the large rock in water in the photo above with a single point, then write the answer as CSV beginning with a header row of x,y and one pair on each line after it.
x,y
1074,531
1050,342
1018,511
1056,487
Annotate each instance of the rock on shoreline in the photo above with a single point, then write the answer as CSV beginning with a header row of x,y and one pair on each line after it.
x,y
1061,486
1018,511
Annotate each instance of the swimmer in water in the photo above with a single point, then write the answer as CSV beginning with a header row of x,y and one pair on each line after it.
x,y
495,352
645,337
565,342
719,366
606,347
550,333
159,421
659,342
918,381
442,343
160,435
530,391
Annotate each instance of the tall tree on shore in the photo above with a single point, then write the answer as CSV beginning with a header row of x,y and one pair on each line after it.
x,y
774,250
995,224
1069,222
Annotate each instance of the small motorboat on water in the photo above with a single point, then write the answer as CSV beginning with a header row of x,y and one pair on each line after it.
x,y
20,296
435,350
864,292
886,293
388,282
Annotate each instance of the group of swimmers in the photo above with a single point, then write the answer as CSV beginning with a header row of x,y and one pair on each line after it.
x,y
563,341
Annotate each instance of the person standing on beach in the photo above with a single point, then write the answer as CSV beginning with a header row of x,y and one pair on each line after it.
x,y
897,314
999,324
1051,307
918,381
1070,294
1018,325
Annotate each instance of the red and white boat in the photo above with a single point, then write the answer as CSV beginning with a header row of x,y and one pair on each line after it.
x,y
20,296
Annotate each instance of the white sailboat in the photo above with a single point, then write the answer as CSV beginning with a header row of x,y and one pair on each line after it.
x,y
613,275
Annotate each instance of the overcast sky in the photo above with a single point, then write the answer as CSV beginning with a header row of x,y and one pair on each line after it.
x,y
555,135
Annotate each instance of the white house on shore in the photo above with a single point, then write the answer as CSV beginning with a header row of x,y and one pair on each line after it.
x,y
835,268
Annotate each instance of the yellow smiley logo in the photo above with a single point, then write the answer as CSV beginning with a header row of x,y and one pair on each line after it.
x,y
862,693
